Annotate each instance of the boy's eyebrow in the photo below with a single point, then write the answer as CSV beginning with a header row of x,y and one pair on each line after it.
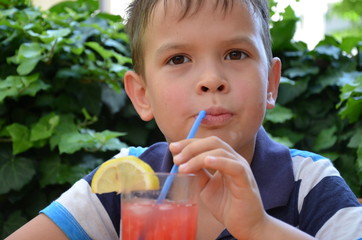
x,y
236,40
170,46
241,39
249,41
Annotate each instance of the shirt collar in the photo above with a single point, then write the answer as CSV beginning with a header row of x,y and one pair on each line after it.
x,y
273,171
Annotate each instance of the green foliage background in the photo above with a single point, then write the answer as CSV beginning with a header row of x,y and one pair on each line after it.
x,y
351,12
63,110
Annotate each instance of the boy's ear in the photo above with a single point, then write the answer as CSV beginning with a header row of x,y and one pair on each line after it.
x,y
273,82
135,87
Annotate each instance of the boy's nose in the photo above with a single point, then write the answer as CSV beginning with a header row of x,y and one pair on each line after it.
x,y
212,85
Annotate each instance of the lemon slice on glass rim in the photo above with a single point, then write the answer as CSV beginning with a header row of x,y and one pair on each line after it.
x,y
112,175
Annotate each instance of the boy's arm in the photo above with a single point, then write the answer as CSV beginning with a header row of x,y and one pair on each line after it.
x,y
40,227
276,229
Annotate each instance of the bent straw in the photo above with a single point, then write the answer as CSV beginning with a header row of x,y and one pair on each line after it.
x,y
174,169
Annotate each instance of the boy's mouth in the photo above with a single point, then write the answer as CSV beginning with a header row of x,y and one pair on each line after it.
x,y
217,116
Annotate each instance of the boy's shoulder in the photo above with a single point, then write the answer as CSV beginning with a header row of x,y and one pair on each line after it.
x,y
156,149
308,165
130,151
306,154
156,155
313,170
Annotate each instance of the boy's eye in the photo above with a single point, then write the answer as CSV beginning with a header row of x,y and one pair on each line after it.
x,y
235,55
179,59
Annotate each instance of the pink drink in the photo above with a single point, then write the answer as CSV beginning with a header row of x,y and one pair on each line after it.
x,y
147,220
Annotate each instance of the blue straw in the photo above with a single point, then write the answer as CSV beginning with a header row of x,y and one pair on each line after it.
x,y
174,169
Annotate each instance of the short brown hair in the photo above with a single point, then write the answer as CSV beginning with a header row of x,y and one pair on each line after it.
x,y
140,11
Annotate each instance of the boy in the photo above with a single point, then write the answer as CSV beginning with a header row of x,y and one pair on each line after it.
x,y
213,55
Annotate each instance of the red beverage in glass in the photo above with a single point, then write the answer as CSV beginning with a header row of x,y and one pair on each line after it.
x,y
147,220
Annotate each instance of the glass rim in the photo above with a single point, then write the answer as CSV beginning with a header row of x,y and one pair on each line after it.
x,y
166,174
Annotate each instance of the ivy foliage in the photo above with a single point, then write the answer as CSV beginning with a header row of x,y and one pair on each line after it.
x,y
60,89
63,110
319,106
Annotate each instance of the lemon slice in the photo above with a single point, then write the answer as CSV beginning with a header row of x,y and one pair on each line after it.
x,y
112,175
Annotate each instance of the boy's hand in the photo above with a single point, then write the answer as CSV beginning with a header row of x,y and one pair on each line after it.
x,y
230,192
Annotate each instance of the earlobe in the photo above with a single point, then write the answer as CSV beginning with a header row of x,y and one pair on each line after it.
x,y
135,88
273,82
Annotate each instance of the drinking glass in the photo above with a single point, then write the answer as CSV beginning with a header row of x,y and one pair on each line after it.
x,y
147,216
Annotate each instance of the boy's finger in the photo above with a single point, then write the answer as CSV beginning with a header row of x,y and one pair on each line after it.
x,y
235,169
176,147
186,150
196,162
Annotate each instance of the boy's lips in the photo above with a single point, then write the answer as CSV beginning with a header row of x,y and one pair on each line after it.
x,y
216,116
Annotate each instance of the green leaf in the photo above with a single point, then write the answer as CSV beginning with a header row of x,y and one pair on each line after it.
x,y
122,59
100,50
90,140
20,135
66,125
77,50
356,139
115,101
49,169
72,142
70,174
106,135
113,144
352,83
325,139
115,44
327,41
283,32
288,133
113,18
29,50
51,35
288,91
289,14
5,153
88,6
359,156
301,71
283,140
351,97
353,110
44,128
27,65
118,68
278,114
330,78
349,43
28,56
331,51
16,86
15,174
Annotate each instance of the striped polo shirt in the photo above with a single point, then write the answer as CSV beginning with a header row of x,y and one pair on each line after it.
x,y
300,188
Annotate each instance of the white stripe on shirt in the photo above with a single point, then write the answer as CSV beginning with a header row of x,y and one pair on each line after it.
x,y
333,230
101,226
311,173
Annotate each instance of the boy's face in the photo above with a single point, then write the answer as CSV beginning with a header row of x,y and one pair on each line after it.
x,y
213,61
